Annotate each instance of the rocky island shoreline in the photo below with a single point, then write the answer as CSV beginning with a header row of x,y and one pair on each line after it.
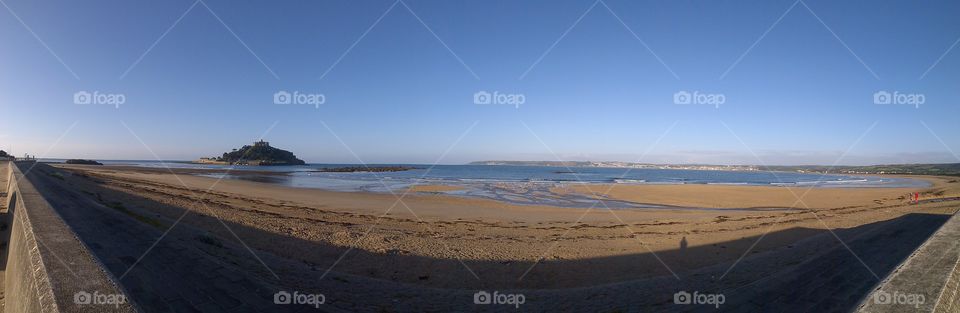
x,y
259,154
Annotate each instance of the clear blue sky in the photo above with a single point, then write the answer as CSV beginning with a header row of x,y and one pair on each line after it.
x,y
801,95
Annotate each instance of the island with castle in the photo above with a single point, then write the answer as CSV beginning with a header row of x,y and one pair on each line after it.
x,y
260,153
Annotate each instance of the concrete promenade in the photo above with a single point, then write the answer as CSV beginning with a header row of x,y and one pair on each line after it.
x,y
169,275
47,268
928,281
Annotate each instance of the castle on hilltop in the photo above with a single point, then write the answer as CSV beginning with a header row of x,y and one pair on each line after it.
x,y
260,153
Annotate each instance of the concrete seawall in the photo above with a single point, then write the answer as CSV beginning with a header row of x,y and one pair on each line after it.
x,y
927,281
48,269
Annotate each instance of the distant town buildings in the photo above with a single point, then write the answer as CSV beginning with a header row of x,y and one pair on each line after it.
x,y
619,164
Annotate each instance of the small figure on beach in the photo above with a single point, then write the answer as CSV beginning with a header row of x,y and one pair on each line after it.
x,y
683,244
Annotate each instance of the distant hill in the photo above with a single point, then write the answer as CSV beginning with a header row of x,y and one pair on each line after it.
x,y
5,156
534,163
260,153
82,162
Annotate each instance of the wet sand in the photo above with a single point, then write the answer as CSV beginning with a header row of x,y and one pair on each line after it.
x,y
436,240
435,188
725,196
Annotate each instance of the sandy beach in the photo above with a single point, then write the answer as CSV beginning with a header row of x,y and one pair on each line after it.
x,y
437,240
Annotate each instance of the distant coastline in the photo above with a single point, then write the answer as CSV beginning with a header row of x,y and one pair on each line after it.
x,y
82,162
362,169
618,164
942,169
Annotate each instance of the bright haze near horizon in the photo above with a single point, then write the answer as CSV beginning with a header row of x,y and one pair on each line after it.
x,y
598,80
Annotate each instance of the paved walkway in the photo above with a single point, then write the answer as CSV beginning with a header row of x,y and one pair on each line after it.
x,y
927,281
840,279
174,276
